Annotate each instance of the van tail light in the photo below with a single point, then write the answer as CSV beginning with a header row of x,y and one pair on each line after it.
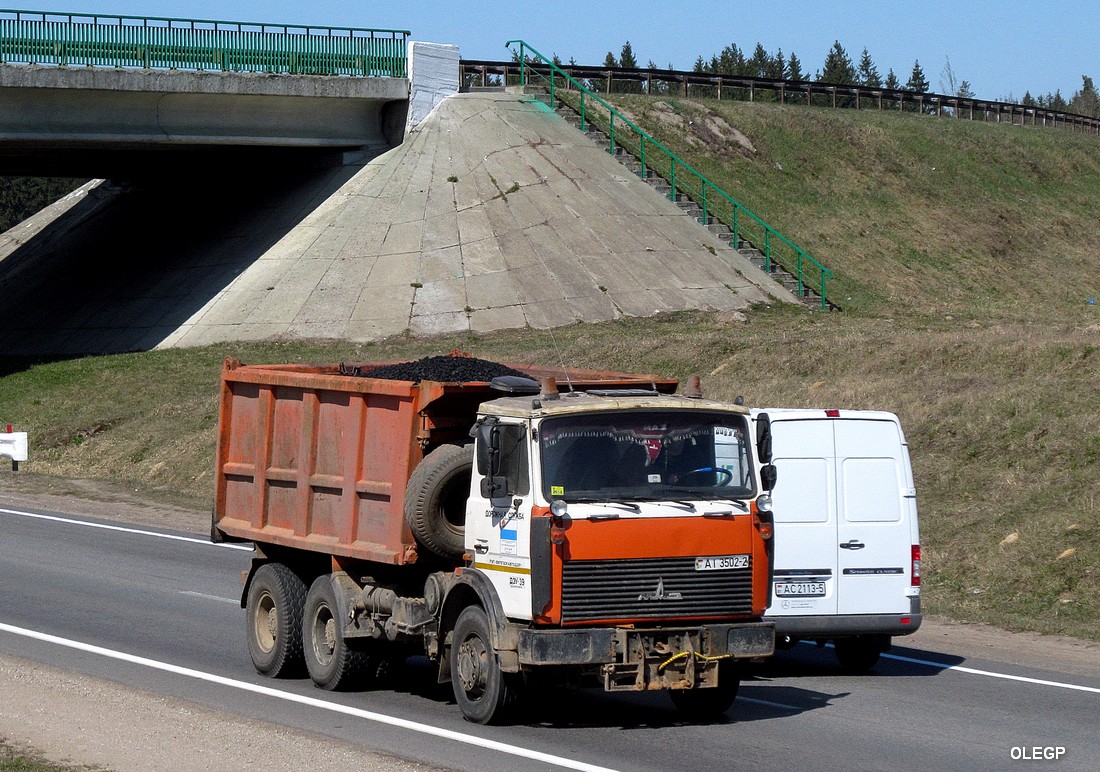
x,y
916,565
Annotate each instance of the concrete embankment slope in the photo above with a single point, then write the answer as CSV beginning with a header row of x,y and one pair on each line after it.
x,y
494,213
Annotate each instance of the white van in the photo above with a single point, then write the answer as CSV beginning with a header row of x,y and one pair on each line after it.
x,y
847,550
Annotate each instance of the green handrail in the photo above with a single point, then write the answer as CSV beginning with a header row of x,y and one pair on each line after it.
x,y
46,37
683,179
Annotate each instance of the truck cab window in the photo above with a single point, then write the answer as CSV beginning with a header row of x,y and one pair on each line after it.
x,y
513,458
640,455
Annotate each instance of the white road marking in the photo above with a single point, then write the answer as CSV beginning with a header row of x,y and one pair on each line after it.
x,y
992,674
987,673
313,702
234,601
769,704
85,523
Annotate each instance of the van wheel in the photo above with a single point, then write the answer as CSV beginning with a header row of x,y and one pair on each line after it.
x,y
273,615
333,664
482,691
435,499
710,703
860,654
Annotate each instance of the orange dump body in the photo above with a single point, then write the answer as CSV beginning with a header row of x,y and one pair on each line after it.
x,y
312,459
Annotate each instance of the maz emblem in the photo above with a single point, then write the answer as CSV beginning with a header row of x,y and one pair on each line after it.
x,y
661,594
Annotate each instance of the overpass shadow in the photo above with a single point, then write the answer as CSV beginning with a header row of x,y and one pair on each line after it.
x,y
126,266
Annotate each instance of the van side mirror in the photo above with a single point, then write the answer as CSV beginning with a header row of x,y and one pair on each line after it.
x,y
764,438
768,475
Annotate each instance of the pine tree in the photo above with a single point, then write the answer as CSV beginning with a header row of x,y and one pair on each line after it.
x,y
1087,100
794,68
777,66
892,83
609,62
701,66
867,71
758,64
965,90
838,66
626,57
917,81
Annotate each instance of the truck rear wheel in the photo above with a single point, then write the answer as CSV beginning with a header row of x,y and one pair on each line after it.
x,y
435,499
711,702
333,664
482,691
273,616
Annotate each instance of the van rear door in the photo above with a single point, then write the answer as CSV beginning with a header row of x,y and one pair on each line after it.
x,y
874,494
804,498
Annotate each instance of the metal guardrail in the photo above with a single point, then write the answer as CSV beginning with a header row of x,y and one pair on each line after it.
x,y
98,40
746,88
682,177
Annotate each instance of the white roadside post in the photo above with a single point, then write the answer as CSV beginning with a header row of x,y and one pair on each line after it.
x,y
14,446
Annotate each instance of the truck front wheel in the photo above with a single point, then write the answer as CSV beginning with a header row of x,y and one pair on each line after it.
x,y
273,613
332,663
482,691
713,701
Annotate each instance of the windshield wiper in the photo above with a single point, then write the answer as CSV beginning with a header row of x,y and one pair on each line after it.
x,y
624,504
735,503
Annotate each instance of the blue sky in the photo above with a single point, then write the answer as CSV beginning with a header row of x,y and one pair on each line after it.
x,y
1003,48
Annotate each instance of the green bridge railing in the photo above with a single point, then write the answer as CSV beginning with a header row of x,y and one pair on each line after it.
x,y
682,177
43,37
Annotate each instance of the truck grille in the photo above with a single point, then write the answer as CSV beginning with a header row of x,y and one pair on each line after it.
x,y
652,588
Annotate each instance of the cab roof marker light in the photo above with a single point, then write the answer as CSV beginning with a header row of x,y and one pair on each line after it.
x,y
832,413
693,389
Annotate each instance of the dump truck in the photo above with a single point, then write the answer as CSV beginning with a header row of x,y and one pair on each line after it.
x,y
545,524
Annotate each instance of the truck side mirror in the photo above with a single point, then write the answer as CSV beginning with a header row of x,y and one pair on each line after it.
x,y
487,441
768,474
495,487
764,438
493,484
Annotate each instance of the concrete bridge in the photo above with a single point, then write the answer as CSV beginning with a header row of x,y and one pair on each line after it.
x,y
251,205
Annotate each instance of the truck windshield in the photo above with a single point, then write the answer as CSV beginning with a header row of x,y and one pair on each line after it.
x,y
646,455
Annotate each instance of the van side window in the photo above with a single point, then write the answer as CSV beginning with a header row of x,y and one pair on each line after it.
x,y
513,458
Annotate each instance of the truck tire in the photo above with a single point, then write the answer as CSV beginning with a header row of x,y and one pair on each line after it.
x,y
273,615
710,703
484,694
860,654
435,500
332,663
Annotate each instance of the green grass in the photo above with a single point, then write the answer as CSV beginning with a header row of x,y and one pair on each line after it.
x,y
911,212
964,288
16,760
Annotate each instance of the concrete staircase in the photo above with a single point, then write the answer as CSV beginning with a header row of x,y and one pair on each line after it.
x,y
808,296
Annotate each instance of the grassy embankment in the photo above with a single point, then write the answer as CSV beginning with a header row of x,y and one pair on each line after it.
x,y
964,254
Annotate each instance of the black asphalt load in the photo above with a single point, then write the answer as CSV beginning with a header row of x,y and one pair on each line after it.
x,y
442,369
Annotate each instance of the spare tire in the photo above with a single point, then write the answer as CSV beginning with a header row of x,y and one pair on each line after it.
x,y
435,499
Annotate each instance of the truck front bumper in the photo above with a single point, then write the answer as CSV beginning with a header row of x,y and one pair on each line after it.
x,y
658,658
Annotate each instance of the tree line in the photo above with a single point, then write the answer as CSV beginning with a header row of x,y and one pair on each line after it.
x,y
20,197
840,68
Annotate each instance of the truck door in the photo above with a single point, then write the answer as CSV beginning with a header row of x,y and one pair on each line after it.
x,y
498,528
805,518
874,551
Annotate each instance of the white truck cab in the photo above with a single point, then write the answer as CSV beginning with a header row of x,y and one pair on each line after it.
x,y
847,547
